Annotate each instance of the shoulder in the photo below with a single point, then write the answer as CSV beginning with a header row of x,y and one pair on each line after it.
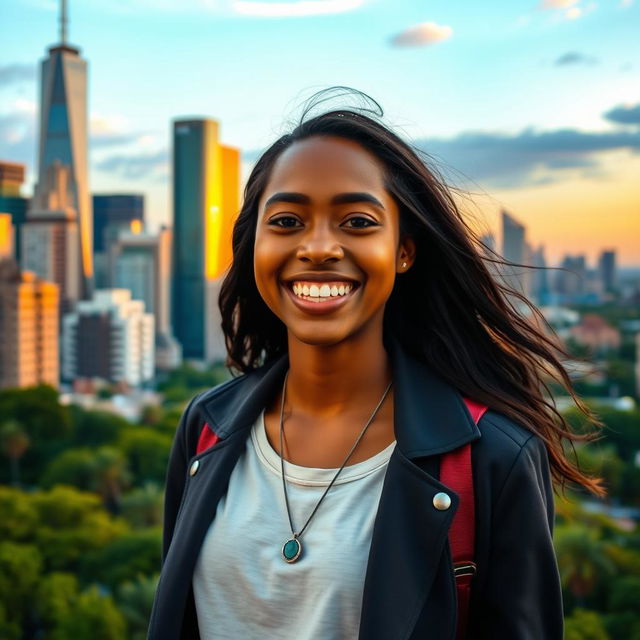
x,y
195,416
508,450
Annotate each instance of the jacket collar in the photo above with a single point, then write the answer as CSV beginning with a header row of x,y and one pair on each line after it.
x,y
430,416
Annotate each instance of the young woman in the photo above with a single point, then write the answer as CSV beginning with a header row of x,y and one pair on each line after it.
x,y
303,497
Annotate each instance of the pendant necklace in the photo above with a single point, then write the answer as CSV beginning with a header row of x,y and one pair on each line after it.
x,y
292,548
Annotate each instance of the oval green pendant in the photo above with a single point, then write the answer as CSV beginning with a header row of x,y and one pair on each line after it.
x,y
291,550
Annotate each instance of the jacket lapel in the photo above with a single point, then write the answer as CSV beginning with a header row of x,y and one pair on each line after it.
x,y
410,534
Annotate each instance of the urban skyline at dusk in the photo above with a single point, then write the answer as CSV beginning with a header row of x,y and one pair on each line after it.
x,y
533,137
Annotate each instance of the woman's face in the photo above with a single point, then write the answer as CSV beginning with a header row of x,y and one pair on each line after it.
x,y
327,245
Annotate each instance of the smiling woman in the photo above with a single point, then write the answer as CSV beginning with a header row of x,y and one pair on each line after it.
x,y
411,495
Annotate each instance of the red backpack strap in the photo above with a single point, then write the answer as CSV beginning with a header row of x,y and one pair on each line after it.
x,y
456,473
207,439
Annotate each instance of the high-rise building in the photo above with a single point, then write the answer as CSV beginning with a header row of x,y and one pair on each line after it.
x,y
540,290
109,337
514,250
50,237
141,262
571,279
206,196
28,328
63,139
11,202
112,213
607,270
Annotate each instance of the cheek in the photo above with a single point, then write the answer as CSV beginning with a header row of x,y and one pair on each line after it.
x,y
265,269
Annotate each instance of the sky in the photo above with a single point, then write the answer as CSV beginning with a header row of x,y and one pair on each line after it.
x,y
528,105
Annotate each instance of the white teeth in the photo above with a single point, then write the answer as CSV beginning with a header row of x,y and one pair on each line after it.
x,y
321,292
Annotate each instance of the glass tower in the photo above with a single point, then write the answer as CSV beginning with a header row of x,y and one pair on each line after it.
x,y
205,204
63,137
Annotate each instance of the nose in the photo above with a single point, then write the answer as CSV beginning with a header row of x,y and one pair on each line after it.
x,y
319,244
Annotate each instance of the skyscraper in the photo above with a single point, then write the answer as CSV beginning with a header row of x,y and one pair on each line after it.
x,y
141,263
205,204
513,250
112,213
28,328
63,137
607,270
11,202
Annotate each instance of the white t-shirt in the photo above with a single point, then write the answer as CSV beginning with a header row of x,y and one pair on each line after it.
x,y
245,590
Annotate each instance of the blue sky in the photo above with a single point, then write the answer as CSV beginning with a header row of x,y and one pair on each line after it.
x,y
532,102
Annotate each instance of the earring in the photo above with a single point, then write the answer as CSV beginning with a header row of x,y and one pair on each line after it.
x,y
404,264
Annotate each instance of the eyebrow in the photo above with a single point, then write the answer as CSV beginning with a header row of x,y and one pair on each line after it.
x,y
341,198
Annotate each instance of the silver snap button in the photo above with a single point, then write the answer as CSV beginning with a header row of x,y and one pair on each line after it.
x,y
441,501
194,468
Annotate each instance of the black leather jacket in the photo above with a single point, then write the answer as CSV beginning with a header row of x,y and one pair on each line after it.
x,y
409,590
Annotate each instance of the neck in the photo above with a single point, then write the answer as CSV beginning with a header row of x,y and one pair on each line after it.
x,y
325,381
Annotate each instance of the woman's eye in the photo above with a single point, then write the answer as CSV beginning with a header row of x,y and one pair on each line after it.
x,y
285,222
360,222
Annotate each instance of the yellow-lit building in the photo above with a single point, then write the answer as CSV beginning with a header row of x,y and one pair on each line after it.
x,y
206,201
28,328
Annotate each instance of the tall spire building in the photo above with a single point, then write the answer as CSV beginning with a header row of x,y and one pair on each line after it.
x,y
63,140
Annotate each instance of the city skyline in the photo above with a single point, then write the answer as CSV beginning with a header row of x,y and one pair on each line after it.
x,y
535,138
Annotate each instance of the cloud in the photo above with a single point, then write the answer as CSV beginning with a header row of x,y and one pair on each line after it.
x,y
136,166
422,34
574,58
624,114
297,8
526,158
558,4
16,74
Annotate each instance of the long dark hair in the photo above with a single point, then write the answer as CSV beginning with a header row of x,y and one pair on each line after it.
x,y
465,324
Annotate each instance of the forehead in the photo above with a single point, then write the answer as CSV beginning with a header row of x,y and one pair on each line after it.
x,y
326,165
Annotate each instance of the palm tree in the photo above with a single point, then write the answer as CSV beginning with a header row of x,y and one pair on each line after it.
x,y
15,443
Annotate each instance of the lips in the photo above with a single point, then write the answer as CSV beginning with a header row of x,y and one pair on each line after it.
x,y
320,305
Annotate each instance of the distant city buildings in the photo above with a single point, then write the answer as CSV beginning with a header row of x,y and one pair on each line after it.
x,y
109,337
596,333
28,328
141,263
206,196
63,142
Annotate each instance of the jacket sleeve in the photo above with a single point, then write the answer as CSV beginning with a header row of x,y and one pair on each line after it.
x,y
521,598
176,476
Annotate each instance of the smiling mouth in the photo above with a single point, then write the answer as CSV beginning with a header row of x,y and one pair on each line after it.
x,y
320,292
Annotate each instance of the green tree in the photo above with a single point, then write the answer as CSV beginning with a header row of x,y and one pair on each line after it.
x,y
143,507
585,625
135,601
18,518
131,554
20,569
92,617
15,443
55,597
147,453
72,524
581,560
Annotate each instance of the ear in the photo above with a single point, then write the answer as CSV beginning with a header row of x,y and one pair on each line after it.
x,y
406,254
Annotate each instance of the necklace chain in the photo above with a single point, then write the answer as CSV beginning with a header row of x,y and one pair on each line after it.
x,y
284,484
